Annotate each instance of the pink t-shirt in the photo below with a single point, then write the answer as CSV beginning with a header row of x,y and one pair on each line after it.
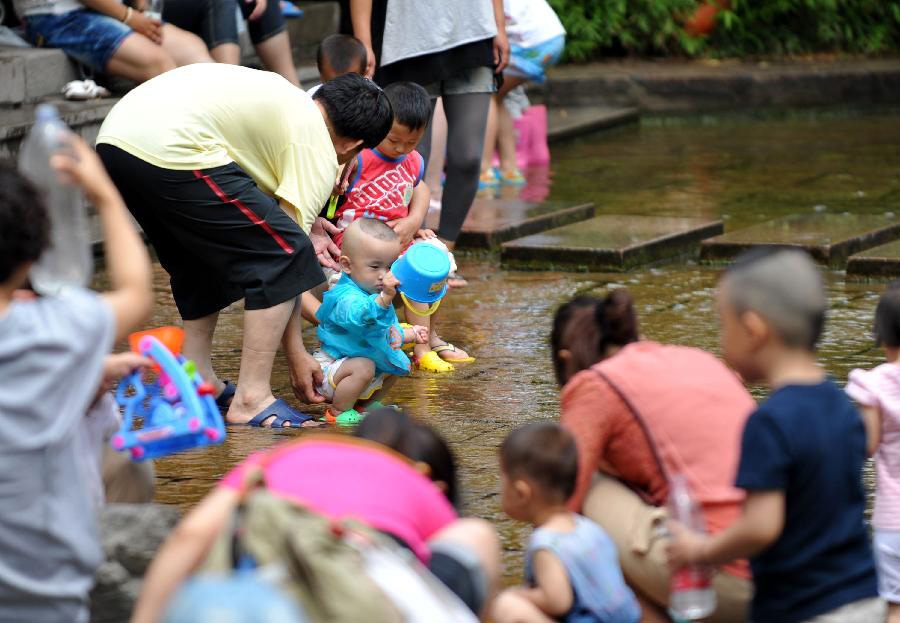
x,y
880,388
352,478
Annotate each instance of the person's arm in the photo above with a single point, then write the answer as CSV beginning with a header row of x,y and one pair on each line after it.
x,y
135,19
552,592
858,388
584,408
755,530
306,373
258,10
872,420
361,17
408,226
501,42
128,263
182,552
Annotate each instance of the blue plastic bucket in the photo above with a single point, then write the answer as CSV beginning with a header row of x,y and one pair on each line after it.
x,y
422,272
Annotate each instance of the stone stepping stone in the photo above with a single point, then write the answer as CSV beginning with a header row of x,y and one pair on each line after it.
x,y
828,238
494,221
567,123
609,242
883,261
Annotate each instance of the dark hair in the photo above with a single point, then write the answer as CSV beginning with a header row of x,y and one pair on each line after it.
x,y
343,53
602,323
546,454
24,223
416,441
357,108
411,104
616,320
887,317
579,311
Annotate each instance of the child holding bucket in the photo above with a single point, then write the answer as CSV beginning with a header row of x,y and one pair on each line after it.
x,y
388,186
361,339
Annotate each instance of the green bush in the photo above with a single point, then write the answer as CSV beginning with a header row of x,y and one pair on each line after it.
x,y
603,28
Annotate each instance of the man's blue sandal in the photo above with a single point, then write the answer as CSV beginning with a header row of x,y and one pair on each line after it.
x,y
282,412
223,400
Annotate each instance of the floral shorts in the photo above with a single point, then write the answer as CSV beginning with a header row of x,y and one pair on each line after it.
x,y
531,63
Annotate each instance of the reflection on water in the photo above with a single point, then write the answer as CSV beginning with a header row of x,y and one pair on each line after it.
x,y
746,170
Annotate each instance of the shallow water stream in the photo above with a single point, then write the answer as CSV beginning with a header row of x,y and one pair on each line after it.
x,y
742,168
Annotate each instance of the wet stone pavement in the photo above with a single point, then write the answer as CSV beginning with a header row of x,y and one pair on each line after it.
x,y
741,169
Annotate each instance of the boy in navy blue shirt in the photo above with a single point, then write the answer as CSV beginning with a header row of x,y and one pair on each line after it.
x,y
802,454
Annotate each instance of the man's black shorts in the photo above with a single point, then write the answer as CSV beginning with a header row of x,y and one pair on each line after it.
x,y
216,233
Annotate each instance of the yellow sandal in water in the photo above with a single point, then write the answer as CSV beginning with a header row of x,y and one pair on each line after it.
x,y
432,362
450,348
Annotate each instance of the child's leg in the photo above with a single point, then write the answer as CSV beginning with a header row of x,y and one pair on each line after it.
x,y
379,394
416,319
438,149
198,340
434,340
350,380
511,607
893,613
506,137
490,134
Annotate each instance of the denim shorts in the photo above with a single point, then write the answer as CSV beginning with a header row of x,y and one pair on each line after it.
x,y
87,36
531,63
471,80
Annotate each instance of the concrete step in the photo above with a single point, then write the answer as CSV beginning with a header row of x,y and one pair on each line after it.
x,y
883,261
609,243
829,238
29,74
84,118
494,221
567,122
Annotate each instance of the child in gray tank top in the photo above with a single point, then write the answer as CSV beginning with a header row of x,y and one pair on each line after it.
x,y
52,354
572,567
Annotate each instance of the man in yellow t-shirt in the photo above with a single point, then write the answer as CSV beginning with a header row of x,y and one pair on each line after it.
x,y
226,169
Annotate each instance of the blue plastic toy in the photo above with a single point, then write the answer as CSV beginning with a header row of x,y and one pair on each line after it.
x,y
179,411
422,272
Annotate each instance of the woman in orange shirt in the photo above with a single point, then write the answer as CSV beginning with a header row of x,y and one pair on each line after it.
x,y
642,411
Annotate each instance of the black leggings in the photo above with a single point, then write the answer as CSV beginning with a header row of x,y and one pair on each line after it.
x,y
466,124
215,20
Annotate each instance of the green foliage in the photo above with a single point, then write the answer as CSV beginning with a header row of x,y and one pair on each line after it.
x,y
602,28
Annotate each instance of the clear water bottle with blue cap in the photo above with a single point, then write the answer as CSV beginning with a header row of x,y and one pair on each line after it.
x,y
67,261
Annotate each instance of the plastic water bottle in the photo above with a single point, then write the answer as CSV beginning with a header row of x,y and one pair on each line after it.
x,y
691,595
67,261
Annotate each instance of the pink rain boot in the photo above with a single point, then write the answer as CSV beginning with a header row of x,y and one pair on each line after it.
x,y
538,151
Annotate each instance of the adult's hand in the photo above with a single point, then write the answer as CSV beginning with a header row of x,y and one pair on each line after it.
x,y
405,228
258,9
320,236
306,375
370,62
501,52
147,26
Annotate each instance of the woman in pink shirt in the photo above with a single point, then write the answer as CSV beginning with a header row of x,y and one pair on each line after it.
x,y
877,392
642,411
377,477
